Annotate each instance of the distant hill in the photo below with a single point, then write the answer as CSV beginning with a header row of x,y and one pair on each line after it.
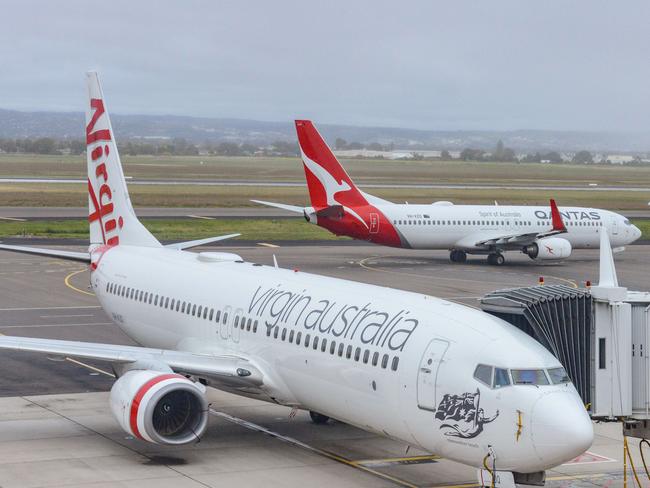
x,y
62,125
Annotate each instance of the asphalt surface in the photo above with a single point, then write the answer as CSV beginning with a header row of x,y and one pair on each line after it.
x,y
65,213
297,183
64,436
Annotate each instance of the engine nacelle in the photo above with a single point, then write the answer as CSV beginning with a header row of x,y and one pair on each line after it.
x,y
163,408
549,248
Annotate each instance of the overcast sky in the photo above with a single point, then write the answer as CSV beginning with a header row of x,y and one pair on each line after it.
x,y
454,64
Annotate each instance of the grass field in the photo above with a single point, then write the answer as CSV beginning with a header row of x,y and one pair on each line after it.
x,y
363,171
75,195
289,169
251,229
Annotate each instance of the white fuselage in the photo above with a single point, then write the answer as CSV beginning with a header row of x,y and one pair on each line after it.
x,y
461,226
386,360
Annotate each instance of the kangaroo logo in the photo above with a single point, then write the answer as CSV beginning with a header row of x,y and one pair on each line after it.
x,y
331,185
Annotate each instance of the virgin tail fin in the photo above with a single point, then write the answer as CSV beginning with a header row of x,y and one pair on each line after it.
x,y
110,214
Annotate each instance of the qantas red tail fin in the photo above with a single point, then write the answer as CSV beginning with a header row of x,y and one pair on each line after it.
x,y
328,183
556,218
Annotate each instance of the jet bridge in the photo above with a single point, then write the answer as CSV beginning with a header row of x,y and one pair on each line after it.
x,y
559,317
601,335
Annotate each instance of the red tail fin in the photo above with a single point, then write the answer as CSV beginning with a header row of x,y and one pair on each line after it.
x,y
328,182
556,218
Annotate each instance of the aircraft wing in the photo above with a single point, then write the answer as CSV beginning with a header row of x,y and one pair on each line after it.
x,y
283,206
225,368
200,242
518,240
54,253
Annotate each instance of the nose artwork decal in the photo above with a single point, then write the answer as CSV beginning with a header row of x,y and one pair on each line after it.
x,y
462,415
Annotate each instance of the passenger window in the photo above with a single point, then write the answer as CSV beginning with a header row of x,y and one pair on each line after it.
x,y
315,342
341,346
236,321
332,347
275,332
558,375
155,300
194,310
529,377
183,308
211,312
225,317
201,309
205,312
501,377
384,361
268,332
375,358
366,355
218,316
248,324
307,337
348,352
395,363
357,353
291,337
298,337
284,334
173,303
483,373
323,345
255,326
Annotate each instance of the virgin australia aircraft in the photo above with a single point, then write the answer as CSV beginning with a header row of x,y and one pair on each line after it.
x,y
340,207
447,378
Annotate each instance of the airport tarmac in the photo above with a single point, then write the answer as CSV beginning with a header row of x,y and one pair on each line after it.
x,y
66,213
56,428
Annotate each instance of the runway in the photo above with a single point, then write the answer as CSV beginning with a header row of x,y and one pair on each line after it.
x,y
293,183
56,429
66,213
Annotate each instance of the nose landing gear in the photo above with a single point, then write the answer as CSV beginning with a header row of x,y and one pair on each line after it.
x,y
496,259
457,256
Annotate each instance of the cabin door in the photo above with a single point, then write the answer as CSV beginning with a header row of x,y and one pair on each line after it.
x,y
428,374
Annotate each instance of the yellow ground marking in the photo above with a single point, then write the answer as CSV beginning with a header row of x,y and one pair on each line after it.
x,y
426,457
67,282
266,244
550,478
295,442
91,368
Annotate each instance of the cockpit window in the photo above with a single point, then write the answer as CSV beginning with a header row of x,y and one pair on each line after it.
x,y
558,375
529,377
483,373
627,222
501,378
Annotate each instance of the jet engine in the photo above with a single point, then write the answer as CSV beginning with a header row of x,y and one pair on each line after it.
x,y
549,248
159,407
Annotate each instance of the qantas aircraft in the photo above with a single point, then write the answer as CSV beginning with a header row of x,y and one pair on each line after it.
x,y
340,207
447,378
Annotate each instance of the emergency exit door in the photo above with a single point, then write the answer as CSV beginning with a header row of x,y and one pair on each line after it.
x,y
428,373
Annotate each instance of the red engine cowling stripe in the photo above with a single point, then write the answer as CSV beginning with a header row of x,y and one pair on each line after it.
x,y
133,420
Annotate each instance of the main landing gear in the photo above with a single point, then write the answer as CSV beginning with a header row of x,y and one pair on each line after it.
x,y
457,256
318,418
496,259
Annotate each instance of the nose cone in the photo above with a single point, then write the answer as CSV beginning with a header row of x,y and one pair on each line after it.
x,y
561,428
636,233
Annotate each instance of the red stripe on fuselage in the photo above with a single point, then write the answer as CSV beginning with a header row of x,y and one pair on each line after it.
x,y
133,420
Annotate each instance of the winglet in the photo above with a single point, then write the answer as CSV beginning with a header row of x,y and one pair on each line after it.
x,y
558,224
607,276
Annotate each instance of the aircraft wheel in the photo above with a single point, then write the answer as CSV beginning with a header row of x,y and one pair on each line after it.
x,y
456,256
318,418
496,259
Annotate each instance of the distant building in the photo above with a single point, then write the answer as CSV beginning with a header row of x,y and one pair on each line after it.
x,y
619,158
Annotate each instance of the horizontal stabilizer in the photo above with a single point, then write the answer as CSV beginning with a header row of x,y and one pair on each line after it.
x,y
332,212
283,206
200,242
54,253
